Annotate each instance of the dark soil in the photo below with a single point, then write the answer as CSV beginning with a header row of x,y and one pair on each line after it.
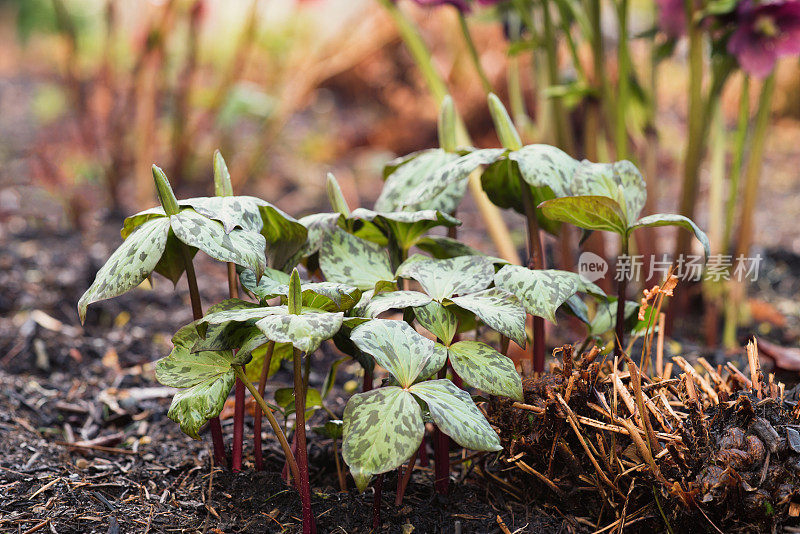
x,y
61,383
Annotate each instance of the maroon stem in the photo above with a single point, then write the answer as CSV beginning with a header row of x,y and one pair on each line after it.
x,y
309,526
423,452
262,385
376,503
535,261
197,312
402,482
441,455
238,426
368,378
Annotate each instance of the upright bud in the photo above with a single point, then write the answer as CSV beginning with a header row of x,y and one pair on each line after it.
x,y
222,178
164,190
509,137
336,197
295,297
447,125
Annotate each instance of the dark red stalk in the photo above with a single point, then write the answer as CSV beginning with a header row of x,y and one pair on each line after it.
x,y
197,311
422,453
262,385
535,261
238,426
309,526
402,482
376,503
367,385
441,455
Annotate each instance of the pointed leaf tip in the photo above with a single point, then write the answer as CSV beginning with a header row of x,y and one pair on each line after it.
x,y
222,177
506,132
335,196
295,297
165,194
447,125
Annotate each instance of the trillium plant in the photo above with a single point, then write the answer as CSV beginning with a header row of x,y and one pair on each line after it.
x,y
429,315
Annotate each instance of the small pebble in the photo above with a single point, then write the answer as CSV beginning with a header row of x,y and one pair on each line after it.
x,y
81,463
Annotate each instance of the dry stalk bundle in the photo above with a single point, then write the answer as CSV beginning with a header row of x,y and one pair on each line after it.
x,y
711,449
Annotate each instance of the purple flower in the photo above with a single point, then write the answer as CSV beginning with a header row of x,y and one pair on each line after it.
x,y
765,31
672,17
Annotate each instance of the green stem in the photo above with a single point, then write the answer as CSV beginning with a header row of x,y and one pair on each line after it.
x,y
560,118
736,164
623,82
276,427
473,52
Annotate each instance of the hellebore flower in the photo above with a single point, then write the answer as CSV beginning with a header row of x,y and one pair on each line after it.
x,y
765,31
672,17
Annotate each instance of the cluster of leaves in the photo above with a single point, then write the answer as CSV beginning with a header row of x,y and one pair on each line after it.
x,y
363,256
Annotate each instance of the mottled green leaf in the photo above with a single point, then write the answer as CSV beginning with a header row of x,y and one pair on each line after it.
x,y
247,312
437,320
406,175
454,276
443,247
304,332
407,227
450,175
207,378
454,412
273,283
500,310
620,181
397,347
134,221
541,291
669,219
294,296
318,226
327,296
241,247
129,265
393,300
484,368
346,259
589,212
545,165
382,429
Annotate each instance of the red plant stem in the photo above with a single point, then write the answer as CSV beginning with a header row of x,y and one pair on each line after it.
x,y
535,261
197,311
367,385
309,526
238,426
262,385
441,455
402,482
376,502
422,452
622,286
238,399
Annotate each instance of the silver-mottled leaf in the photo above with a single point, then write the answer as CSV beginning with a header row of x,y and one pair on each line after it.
x,y
412,173
394,300
273,283
620,181
437,320
453,174
484,368
304,332
541,291
129,265
382,429
397,347
499,309
442,279
545,165
346,259
454,412
242,247
407,227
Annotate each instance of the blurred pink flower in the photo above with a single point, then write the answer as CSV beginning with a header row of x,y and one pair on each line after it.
x,y
672,17
461,5
765,31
